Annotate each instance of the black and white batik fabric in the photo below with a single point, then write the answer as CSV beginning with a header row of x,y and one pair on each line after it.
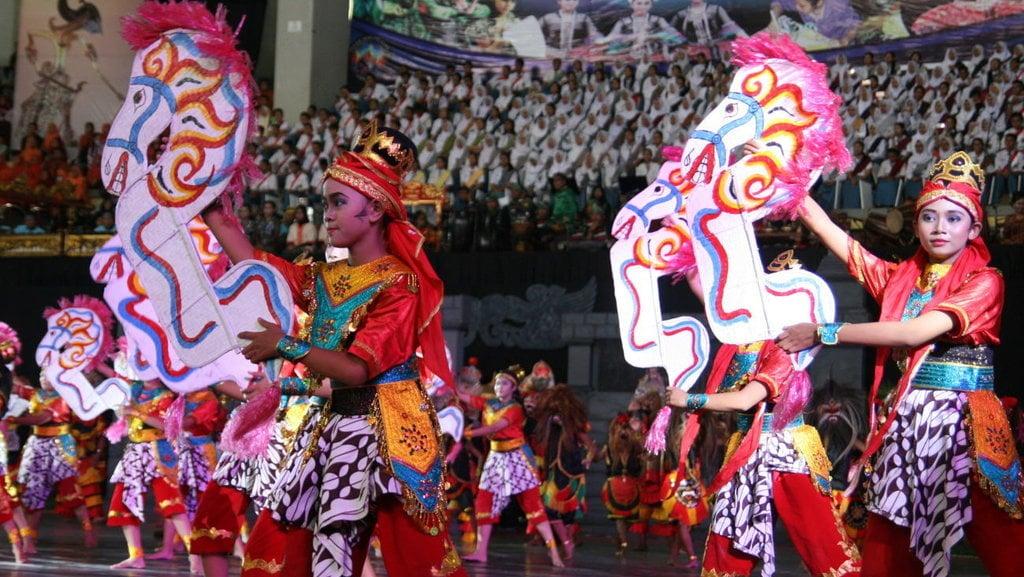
x,y
235,472
507,474
194,474
330,490
922,475
44,463
743,506
266,469
137,470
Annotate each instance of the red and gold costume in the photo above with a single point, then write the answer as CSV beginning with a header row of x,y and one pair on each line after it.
x,y
623,457
50,458
943,456
197,451
510,469
92,462
771,469
238,482
376,445
149,462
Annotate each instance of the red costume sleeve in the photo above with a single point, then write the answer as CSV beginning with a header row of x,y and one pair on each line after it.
x,y
387,336
870,271
976,307
298,276
773,371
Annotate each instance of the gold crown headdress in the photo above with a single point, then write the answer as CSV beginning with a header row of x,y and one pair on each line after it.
x,y
958,167
380,147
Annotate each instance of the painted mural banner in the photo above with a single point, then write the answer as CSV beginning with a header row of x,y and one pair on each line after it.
x,y
431,33
72,65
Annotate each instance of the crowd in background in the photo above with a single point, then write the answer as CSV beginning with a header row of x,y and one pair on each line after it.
x,y
532,159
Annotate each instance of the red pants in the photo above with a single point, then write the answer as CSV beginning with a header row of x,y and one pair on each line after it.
x,y
168,503
218,521
69,497
813,527
407,550
529,501
997,538
275,549
7,503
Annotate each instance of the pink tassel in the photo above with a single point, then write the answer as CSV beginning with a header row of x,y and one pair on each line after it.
x,y
117,431
173,419
655,443
248,433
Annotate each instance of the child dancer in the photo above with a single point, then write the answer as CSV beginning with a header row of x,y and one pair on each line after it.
x,y
509,470
943,460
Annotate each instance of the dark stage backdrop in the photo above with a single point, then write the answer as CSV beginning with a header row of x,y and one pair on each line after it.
x,y
28,285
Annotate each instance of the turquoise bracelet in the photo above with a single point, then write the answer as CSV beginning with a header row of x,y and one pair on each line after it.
x,y
295,386
696,401
828,333
293,349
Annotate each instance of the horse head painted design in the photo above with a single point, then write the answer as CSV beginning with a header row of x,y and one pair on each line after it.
x,y
639,258
188,79
79,337
780,100
148,349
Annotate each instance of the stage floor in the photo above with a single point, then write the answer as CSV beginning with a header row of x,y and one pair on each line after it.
x,y
61,554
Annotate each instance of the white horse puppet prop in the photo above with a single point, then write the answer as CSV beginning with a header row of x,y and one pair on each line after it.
x,y
189,78
639,258
780,100
79,337
149,351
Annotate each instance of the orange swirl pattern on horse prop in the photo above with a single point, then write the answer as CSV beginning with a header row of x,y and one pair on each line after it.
x,y
187,78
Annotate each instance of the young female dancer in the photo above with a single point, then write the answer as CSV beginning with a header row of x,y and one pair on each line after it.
x,y
940,454
509,471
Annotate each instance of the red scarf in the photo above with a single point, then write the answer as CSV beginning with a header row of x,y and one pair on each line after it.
x,y
974,257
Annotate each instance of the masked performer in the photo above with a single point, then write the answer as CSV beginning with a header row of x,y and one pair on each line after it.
x,y
942,457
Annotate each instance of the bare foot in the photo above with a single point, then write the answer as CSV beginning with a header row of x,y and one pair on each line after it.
x,y
161,555
621,550
195,564
570,548
28,544
476,557
19,554
239,550
91,541
556,560
130,563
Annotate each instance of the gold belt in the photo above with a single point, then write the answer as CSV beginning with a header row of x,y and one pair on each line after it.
x,y
51,430
145,435
504,446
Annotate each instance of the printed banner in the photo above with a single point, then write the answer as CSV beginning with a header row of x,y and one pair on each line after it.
x,y
72,65
430,33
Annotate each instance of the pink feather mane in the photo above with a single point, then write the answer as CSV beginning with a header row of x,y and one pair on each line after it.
x,y
10,336
824,144
216,40
99,308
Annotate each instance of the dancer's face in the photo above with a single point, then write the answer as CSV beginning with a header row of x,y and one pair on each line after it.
x,y
348,215
944,228
640,7
504,389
